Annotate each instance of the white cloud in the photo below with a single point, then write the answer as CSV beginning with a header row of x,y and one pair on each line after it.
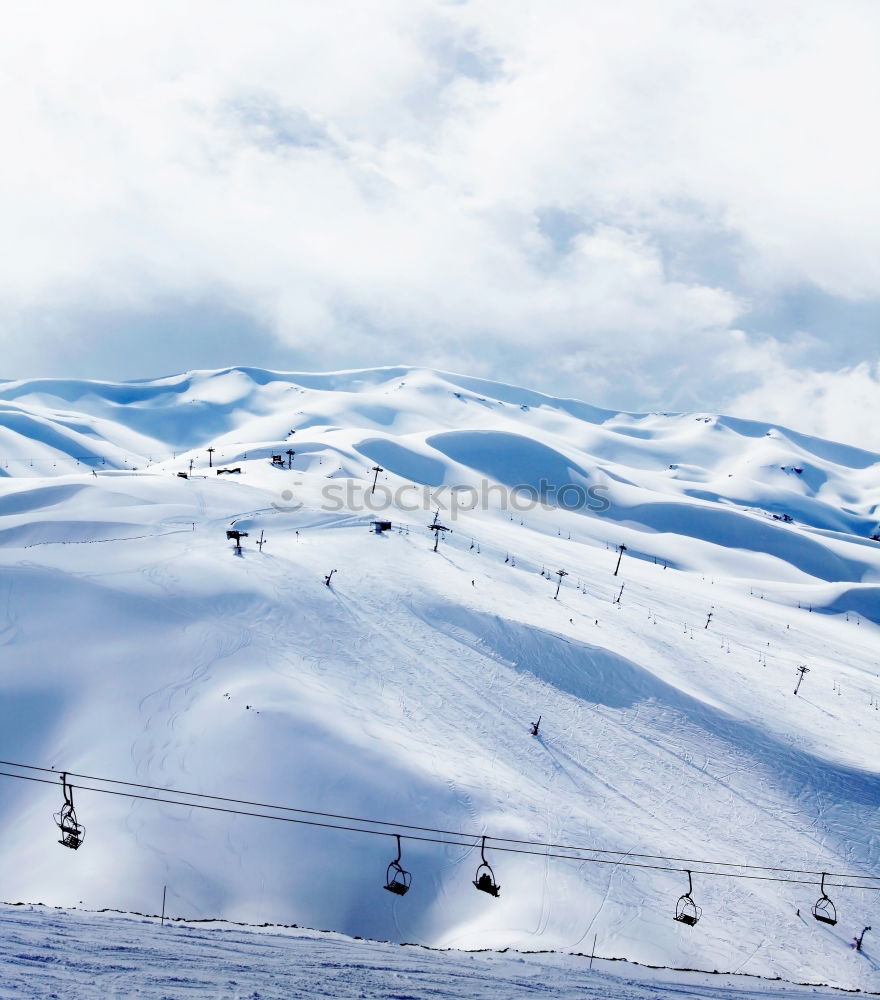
x,y
539,194
840,405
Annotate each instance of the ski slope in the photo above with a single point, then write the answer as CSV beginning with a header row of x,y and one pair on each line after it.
x,y
65,953
136,645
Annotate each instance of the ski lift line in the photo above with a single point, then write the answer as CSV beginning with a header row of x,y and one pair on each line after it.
x,y
643,556
438,840
781,655
472,843
429,829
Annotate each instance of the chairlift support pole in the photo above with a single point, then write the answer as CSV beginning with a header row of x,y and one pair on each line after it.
x,y
290,454
560,573
436,527
803,671
211,458
621,548
376,469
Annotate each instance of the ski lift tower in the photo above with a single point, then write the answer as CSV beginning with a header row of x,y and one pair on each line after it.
x,y
437,528
560,573
377,469
803,670
236,536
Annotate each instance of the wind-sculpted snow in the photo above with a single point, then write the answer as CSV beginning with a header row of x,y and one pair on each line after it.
x,y
738,530
363,675
510,459
861,600
41,498
404,462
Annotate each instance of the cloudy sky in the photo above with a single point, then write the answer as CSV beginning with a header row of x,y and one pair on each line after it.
x,y
648,204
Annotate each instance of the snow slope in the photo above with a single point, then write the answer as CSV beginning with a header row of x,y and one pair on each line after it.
x,y
62,953
135,645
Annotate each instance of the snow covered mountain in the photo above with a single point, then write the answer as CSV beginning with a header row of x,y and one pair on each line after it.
x,y
136,645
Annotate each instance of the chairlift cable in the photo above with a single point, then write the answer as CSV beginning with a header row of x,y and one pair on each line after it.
x,y
443,832
471,843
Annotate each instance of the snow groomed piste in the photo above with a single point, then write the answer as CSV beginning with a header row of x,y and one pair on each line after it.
x,y
397,674
45,952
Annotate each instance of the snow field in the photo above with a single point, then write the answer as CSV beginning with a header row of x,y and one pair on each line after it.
x,y
136,646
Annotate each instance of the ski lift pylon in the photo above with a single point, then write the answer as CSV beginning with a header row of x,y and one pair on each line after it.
x,y
72,832
823,909
686,910
397,879
484,880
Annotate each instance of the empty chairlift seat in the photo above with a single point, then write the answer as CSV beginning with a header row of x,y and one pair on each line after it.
x,y
823,909
686,910
397,879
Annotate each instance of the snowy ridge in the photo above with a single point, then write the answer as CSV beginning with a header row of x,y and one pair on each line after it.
x,y
404,691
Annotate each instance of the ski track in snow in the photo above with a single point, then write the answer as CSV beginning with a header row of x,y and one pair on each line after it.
x,y
63,954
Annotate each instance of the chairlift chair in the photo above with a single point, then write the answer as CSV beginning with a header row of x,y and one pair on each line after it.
x,y
72,832
686,910
823,909
484,880
397,879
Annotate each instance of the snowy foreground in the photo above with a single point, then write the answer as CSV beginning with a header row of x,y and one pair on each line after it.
x,y
76,956
137,646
